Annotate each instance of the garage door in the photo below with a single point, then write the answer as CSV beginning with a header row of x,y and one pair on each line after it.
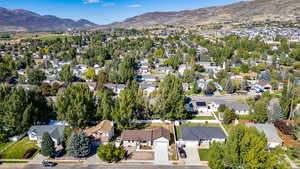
x,y
161,152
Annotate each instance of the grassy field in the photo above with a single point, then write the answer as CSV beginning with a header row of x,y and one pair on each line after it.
x,y
203,118
54,37
4,145
203,154
17,150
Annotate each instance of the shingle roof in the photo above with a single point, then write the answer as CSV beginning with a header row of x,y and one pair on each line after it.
x,y
55,131
268,129
104,126
145,135
201,133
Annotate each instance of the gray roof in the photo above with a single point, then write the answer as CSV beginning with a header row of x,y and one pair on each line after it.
x,y
55,131
201,133
235,105
268,129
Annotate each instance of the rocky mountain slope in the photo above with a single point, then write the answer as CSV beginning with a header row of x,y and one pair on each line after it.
x,y
241,12
23,20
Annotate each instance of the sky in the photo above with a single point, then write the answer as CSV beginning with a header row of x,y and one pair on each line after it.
x,y
106,11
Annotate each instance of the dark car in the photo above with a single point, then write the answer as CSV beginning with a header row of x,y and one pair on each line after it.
x,y
48,164
29,153
181,152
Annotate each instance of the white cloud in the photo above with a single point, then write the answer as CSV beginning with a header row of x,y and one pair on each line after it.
x,y
134,6
91,1
108,4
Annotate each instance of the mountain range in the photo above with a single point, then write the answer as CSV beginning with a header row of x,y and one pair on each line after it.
x,y
244,12
23,20
237,13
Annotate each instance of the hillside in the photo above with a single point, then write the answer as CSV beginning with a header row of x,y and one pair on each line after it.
x,y
241,12
23,20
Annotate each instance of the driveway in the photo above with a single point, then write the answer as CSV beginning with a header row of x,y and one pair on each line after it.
x,y
192,155
161,155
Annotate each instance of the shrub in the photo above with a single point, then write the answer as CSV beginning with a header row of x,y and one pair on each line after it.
x,y
110,153
286,128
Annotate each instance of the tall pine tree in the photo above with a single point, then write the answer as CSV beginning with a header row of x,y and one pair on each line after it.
x,y
47,145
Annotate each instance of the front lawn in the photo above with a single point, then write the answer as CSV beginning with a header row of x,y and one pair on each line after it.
x,y
204,154
4,145
17,150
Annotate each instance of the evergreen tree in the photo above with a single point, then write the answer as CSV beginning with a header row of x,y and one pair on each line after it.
x,y
66,74
229,116
111,153
47,145
79,145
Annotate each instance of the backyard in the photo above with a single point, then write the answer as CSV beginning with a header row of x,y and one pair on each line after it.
x,y
17,150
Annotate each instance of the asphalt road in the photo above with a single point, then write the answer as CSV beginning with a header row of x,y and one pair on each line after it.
x,y
114,167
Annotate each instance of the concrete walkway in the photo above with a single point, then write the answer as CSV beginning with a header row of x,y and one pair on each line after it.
x,y
161,155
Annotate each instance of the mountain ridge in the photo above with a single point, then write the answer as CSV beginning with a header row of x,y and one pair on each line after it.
x,y
25,20
240,12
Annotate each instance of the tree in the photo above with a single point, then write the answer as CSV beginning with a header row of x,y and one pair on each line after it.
x,y
275,112
35,77
260,111
246,148
76,105
90,74
47,145
229,116
229,87
110,153
126,69
105,105
79,145
170,99
216,156
66,74
21,108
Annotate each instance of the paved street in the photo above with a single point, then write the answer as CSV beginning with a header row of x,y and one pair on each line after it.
x,y
224,97
111,167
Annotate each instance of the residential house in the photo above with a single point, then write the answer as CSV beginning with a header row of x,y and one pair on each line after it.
x,y
270,131
146,137
148,87
102,132
238,107
200,136
56,133
166,70
117,88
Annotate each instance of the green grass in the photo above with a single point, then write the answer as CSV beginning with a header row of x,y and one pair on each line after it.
x,y
54,37
204,154
244,117
17,150
178,133
13,161
4,145
203,118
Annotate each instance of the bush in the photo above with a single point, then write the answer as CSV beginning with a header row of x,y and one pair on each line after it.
x,y
286,128
110,153
229,116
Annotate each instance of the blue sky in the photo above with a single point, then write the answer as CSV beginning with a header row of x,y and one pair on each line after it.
x,y
106,11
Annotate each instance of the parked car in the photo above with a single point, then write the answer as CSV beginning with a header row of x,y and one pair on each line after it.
x,y
48,164
29,153
181,152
